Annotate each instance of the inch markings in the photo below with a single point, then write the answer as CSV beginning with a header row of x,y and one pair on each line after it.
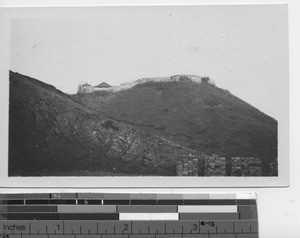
x,y
129,227
100,215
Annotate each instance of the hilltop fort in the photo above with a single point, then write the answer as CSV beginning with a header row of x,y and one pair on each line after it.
x,y
87,88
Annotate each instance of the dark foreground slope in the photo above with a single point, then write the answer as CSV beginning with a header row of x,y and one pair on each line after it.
x,y
198,116
51,134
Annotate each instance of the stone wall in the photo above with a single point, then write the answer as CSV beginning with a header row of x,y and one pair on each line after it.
x,y
190,165
187,166
215,166
246,166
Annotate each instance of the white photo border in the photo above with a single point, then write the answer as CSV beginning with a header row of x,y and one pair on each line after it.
x,y
126,182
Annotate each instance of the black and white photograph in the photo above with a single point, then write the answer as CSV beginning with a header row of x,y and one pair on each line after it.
x,y
167,91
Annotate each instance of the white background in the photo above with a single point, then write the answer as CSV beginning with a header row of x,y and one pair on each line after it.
x,y
25,57
278,208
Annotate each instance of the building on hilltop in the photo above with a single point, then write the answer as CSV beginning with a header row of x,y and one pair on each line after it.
x,y
85,88
103,87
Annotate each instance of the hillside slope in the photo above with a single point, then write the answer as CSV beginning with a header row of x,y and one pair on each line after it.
x,y
51,134
198,116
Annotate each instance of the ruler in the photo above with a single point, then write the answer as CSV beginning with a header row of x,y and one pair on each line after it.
x,y
124,215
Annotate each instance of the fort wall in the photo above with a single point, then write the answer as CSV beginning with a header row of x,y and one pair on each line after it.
x,y
216,166
87,88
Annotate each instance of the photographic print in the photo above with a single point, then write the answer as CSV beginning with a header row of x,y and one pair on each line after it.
x,y
167,91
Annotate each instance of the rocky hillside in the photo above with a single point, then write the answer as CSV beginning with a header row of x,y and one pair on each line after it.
x,y
52,134
201,117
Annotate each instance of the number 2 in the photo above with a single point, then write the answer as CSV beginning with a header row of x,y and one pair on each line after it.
x,y
125,227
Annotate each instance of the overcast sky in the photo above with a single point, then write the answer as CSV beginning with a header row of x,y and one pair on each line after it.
x,y
243,48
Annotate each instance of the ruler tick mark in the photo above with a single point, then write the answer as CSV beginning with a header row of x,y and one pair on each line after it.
x,y
155,228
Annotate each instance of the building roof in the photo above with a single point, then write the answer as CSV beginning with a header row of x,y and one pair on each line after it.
x,y
103,85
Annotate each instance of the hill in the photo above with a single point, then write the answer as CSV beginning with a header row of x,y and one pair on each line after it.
x,y
201,117
51,134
